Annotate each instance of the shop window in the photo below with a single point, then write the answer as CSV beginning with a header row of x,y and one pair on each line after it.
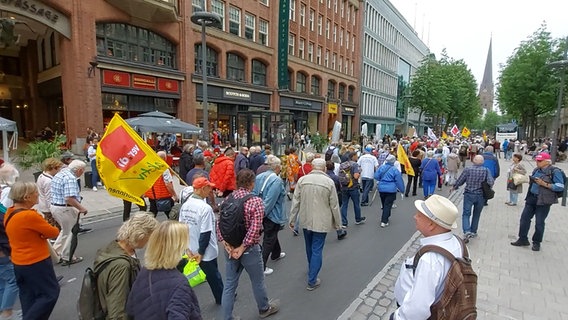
x,y
211,58
350,92
258,73
300,82
131,43
235,67
331,89
341,91
315,86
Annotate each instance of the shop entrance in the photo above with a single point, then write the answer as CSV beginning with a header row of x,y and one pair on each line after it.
x,y
265,127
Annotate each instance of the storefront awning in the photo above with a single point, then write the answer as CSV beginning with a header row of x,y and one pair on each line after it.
x,y
378,120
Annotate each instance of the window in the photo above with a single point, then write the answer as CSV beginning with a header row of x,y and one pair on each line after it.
x,y
347,39
300,82
235,21
326,60
320,24
335,6
341,91
315,86
258,73
346,71
312,18
340,66
290,79
327,27
350,93
218,7
329,4
330,89
311,52
333,61
341,37
235,67
335,33
301,48
196,6
291,41
249,26
292,10
263,32
303,14
211,61
342,10
348,12
264,2
318,56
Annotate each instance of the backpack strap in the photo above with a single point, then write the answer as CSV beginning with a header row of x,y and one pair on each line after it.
x,y
440,250
266,182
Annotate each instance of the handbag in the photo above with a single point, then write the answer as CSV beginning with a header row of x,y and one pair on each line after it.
x,y
192,271
164,204
511,185
488,192
520,178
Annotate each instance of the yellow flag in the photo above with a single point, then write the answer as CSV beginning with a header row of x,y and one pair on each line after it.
x,y
403,159
484,136
444,135
127,165
465,132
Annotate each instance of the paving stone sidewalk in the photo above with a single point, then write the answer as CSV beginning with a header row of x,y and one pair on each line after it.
x,y
514,283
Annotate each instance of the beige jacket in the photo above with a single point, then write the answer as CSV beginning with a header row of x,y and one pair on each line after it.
x,y
315,200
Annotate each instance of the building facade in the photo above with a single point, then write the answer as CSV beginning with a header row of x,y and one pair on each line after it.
x,y
392,51
83,61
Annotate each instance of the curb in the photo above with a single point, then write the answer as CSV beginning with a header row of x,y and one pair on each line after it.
x,y
102,215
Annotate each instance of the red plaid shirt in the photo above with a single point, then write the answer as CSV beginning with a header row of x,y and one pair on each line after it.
x,y
254,214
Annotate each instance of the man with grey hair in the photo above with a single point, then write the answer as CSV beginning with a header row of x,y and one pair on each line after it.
x,y
270,188
66,206
315,201
256,158
473,177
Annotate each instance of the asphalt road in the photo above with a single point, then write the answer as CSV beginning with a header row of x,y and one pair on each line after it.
x,y
349,265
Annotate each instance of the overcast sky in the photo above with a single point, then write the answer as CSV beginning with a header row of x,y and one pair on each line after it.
x,y
464,27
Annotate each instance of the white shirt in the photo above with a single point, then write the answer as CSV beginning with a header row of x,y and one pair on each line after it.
x,y
92,153
417,292
199,217
7,202
167,175
368,164
44,188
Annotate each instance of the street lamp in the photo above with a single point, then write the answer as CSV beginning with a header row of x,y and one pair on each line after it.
x,y
205,19
556,125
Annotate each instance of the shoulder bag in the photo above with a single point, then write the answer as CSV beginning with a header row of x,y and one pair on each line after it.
x,y
488,192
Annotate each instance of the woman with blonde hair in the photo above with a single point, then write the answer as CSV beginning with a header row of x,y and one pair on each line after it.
x,y
8,176
28,233
160,290
51,167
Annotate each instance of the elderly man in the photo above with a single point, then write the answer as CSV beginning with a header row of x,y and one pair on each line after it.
x,y
256,158
545,181
241,160
418,288
315,201
270,188
473,176
66,206
368,164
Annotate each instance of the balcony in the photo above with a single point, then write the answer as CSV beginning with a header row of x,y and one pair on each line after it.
x,y
149,10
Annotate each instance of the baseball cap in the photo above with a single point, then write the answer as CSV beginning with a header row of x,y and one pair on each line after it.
x,y
542,156
201,182
207,153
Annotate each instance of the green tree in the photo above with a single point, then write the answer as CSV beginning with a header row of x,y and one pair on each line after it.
x,y
491,120
527,88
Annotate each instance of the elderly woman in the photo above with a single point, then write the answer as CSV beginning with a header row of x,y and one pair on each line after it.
x,y
118,264
28,233
51,167
160,290
430,172
8,176
516,168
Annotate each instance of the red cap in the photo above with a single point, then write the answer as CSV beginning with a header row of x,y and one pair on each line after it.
x,y
207,153
542,156
217,150
201,182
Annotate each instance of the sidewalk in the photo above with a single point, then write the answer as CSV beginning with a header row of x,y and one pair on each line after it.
x,y
513,282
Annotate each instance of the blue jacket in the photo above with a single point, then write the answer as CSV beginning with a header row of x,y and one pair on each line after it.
x,y
491,163
162,295
389,178
430,169
272,196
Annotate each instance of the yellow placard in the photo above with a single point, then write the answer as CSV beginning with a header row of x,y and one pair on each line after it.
x,y
332,108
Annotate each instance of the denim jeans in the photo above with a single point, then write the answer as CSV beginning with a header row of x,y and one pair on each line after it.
x,y
314,251
213,278
37,297
352,194
532,210
476,201
94,173
513,197
251,262
367,184
8,286
429,186
387,199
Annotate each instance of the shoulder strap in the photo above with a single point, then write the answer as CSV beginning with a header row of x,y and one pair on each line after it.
x,y
440,250
13,213
97,270
266,181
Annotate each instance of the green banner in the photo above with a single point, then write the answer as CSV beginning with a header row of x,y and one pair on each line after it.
x,y
283,30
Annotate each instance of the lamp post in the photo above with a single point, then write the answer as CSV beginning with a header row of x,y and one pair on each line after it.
x,y
205,19
556,125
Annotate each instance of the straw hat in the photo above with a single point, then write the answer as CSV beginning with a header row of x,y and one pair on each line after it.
x,y
440,210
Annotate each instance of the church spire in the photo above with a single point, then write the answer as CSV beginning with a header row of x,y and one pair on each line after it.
x,y
486,93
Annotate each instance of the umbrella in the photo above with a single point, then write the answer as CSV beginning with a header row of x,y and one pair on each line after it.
x,y
74,238
156,121
374,194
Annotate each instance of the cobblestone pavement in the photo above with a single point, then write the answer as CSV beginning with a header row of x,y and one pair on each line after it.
x,y
514,283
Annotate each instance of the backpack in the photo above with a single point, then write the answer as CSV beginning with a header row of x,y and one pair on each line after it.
x,y
559,194
460,286
463,150
328,154
345,176
232,220
89,304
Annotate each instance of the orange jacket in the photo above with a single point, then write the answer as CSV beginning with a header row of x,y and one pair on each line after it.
x,y
28,232
159,190
223,174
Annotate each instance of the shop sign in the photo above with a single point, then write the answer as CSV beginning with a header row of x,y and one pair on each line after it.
x,y
236,94
116,79
112,78
39,12
283,32
303,103
332,108
143,82
349,109
168,85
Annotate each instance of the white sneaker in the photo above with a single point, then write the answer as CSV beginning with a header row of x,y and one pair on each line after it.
x,y
268,271
282,255
394,205
383,225
95,189
99,184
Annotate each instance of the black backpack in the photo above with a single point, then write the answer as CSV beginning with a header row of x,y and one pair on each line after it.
x,y
232,219
89,304
559,194
328,154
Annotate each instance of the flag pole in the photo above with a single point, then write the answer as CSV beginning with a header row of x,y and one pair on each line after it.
x,y
182,181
